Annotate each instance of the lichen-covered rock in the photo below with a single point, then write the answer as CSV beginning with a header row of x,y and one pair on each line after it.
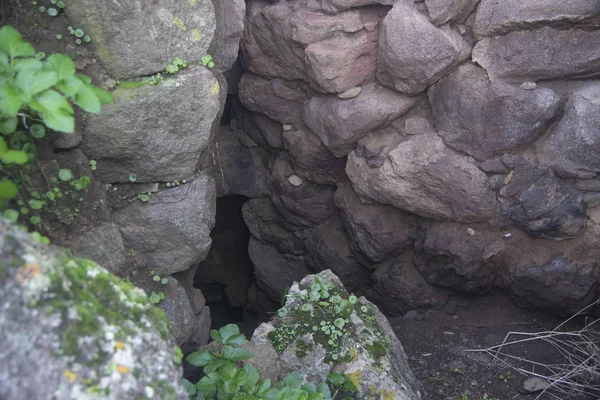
x,y
154,131
136,38
354,339
103,245
71,330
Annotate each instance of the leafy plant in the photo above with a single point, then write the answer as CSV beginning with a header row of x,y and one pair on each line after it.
x,y
207,61
175,66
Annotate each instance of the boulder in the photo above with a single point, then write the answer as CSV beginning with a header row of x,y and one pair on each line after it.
x,y
328,248
172,229
442,11
154,131
542,204
495,18
413,53
127,31
104,245
341,122
424,177
517,56
491,117
264,131
178,308
379,231
225,45
77,330
573,146
336,6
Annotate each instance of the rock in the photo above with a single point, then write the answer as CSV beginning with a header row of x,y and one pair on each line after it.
x,y
295,180
398,287
573,146
55,331
535,384
340,123
154,131
201,332
66,140
541,204
260,304
442,11
267,224
412,52
517,56
449,256
379,231
176,305
424,177
279,99
495,18
350,93
128,31
274,271
103,245
264,131
328,248
225,45
416,124
331,53
306,205
335,6
368,351
492,117
312,159
173,228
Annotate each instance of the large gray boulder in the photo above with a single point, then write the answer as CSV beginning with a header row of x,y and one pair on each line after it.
x,y
178,308
225,45
172,230
573,146
154,131
264,131
485,119
76,330
442,11
133,39
495,17
518,56
104,245
335,6
413,53
341,122
424,177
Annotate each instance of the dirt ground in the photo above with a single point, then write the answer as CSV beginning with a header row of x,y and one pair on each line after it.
x,y
436,342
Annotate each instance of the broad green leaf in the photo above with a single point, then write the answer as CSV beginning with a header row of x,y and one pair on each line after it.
x,y
227,371
236,340
12,43
8,189
214,365
3,145
8,124
200,358
214,334
3,60
14,157
35,204
69,85
262,387
37,131
84,78
32,83
208,384
189,387
65,174
104,96
323,388
228,331
56,111
62,65
87,99
11,99
11,215
236,354
252,377
309,387
293,380
28,64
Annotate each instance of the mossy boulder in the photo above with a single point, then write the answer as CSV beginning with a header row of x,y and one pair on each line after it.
x,y
72,330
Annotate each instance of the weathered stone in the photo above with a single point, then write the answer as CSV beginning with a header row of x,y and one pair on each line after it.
x,y
412,52
442,11
176,305
200,333
54,330
260,304
540,203
306,205
379,231
340,123
328,248
416,124
279,99
66,140
495,18
274,271
491,117
127,31
312,159
173,228
460,257
519,56
335,6
103,245
264,131
350,93
399,287
225,45
423,176
154,131
573,146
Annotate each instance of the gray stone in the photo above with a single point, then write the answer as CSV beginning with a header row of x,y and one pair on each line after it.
x,y
416,124
176,305
67,140
173,228
379,231
350,93
103,245
127,31
53,332
495,18
491,117
154,131
335,6
442,11
340,123
518,56
201,332
573,147
413,53
535,384
424,177
274,271
264,131
225,45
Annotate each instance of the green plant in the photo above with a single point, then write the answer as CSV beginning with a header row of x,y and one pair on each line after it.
x,y
175,66
156,298
505,377
207,61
